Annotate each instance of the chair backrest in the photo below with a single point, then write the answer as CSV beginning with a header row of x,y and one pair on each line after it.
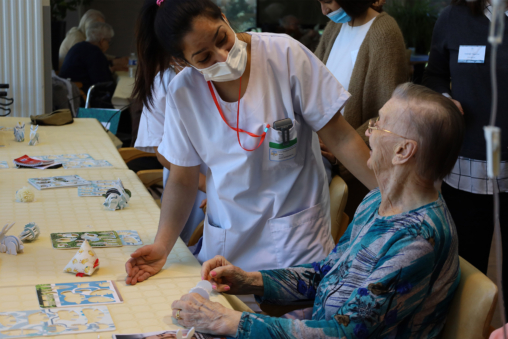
x,y
338,200
109,118
472,307
130,153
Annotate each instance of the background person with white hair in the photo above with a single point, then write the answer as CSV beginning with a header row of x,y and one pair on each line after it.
x,y
86,62
78,34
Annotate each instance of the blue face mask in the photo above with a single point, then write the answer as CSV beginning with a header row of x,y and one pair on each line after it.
x,y
339,16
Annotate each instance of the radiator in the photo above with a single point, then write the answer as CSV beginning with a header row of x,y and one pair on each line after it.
x,y
23,63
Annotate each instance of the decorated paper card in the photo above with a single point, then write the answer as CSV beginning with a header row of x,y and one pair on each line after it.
x,y
70,240
130,238
180,334
57,182
50,322
97,188
78,294
88,163
4,164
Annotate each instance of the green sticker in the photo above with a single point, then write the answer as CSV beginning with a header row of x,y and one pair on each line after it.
x,y
280,146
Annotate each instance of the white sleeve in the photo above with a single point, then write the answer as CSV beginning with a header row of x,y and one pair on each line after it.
x,y
317,94
151,124
176,145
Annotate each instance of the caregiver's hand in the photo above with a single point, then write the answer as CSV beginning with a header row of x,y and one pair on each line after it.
x,y
225,277
205,316
145,262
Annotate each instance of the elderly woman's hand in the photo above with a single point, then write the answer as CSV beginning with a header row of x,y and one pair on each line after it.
x,y
226,277
206,316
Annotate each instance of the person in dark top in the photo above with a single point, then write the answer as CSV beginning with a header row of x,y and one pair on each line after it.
x,y
86,62
459,68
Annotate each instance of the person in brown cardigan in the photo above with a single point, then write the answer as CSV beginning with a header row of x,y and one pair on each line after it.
x,y
381,65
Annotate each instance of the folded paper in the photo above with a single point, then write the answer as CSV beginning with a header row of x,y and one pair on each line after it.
x,y
10,244
85,262
25,194
34,136
19,132
117,198
30,232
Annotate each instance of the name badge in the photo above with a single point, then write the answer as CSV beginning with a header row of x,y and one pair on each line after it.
x,y
280,152
472,54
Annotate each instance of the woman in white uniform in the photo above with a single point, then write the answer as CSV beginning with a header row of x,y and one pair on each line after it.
x,y
268,201
150,132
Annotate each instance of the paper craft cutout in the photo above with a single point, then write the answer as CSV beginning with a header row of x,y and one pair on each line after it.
x,y
65,157
203,288
76,239
72,294
19,132
10,244
26,161
117,198
34,136
130,238
30,232
55,322
180,334
58,182
97,188
85,262
4,165
86,163
25,194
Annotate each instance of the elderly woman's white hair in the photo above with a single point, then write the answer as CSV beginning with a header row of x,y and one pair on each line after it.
x,y
89,18
98,31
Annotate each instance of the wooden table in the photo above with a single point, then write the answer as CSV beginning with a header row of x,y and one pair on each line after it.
x,y
82,136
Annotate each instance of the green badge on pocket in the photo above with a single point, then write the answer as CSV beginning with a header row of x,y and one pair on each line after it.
x,y
280,152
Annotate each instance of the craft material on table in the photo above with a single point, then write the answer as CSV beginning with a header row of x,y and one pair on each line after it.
x,y
26,161
84,262
179,334
117,198
10,244
58,182
30,232
97,188
86,164
34,136
78,294
4,164
25,194
82,160
69,240
19,132
49,322
6,129
130,238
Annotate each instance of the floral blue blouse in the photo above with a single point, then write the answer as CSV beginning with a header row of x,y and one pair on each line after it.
x,y
389,277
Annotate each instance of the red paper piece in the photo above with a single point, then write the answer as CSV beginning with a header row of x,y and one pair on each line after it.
x,y
80,275
96,263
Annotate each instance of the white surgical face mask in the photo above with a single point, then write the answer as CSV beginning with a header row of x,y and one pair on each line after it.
x,y
231,69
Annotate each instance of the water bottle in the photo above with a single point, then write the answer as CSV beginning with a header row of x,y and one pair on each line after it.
x,y
133,65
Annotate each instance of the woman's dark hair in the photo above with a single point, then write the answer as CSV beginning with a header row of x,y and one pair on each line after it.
x,y
355,8
159,34
475,7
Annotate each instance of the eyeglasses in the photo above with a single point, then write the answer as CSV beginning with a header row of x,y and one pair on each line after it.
x,y
372,126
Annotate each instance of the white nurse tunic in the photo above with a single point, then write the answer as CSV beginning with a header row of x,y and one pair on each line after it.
x,y
150,132
268,208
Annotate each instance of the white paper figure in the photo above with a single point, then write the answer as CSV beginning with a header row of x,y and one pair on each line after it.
x,y
116,199
19,132
85,262
34,136
30,232
10,244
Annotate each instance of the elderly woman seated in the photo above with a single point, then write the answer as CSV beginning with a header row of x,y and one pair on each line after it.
x,y
86,62
395,270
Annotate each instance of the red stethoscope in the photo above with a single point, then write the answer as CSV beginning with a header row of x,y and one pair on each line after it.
x,y
238,130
